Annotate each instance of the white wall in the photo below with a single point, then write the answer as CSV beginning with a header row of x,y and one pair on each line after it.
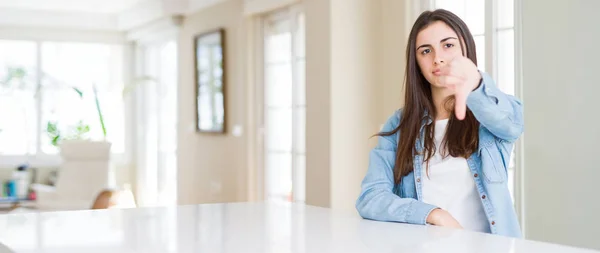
x,y
395,24
356,83
344,57
318,102
560,93
355,68
213,168
79,21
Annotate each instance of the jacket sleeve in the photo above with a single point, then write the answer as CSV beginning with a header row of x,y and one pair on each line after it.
x,y
377,200
500,113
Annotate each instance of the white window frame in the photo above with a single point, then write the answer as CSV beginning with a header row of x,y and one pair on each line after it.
x,y
519,178
260,111
38,36
491,12
145,38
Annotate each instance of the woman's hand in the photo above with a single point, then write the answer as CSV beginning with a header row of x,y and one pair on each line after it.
x,y
462,77
443,218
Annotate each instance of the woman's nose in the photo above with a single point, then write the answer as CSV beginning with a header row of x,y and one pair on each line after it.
x,y
438,61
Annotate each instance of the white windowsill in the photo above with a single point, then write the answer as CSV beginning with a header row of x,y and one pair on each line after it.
x,y
43,160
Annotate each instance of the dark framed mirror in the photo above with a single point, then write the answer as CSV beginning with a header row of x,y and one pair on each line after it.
x,y
210,81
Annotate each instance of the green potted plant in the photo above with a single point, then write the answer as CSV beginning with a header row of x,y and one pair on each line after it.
x,y
76,143
80,131
18,78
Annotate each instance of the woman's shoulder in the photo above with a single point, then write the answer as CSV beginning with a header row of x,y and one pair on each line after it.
x,y
392,121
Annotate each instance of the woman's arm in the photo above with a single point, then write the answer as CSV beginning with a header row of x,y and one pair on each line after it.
x,y
377,200
500,113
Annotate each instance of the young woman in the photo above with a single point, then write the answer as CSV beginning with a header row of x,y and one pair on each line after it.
x,y
443,158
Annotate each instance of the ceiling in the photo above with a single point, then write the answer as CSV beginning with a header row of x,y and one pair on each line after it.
x,y
93,15
91,6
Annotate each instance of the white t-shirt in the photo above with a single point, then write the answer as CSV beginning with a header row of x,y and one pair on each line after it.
x,y
450,186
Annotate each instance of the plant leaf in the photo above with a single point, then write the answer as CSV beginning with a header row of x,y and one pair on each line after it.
x,y
101,118
78,91
55,141
51,127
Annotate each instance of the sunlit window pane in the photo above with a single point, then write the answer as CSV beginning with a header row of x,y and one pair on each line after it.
x,y
18,123
472,12
506,61
455,6
70,66
285,113
168,100
505,13
279,47
18,116
475,16
279,127
278,84
480,50
279,175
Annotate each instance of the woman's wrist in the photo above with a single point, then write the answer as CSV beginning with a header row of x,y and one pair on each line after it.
x,y
477,83
434,216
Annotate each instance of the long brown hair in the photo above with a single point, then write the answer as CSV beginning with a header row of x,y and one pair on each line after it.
x,y
461,138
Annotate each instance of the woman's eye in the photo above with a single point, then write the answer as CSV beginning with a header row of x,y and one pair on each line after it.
x,y
426,51
449,45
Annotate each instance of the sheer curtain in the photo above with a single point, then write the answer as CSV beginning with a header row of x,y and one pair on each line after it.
x,y
156,123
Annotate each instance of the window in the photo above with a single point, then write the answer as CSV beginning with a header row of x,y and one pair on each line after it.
x,y
84,66
156,123
53,82
284,106
492,24
18,107
505,40
473,13
494,38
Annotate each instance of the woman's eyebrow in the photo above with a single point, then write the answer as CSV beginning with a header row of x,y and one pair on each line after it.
x,y
449,38
441,41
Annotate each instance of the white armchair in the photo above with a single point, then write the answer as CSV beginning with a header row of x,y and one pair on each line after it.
x,y
83,174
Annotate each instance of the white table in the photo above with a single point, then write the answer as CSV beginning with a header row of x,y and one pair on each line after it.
x,y
241,227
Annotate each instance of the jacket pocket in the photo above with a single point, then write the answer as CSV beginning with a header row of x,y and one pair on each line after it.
x,y
493,169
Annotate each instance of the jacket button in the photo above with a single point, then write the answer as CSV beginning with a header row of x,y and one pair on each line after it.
x,y
483,197
475,175
493,223
418,180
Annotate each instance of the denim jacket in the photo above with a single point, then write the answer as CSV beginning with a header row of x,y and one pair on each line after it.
x,y
501,123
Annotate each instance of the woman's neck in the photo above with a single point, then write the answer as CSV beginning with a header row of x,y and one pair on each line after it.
x,y
439,96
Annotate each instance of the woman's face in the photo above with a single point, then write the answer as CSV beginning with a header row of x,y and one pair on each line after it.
x,y
436,46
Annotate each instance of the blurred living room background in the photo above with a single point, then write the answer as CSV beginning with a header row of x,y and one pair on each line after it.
x,y
178,102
